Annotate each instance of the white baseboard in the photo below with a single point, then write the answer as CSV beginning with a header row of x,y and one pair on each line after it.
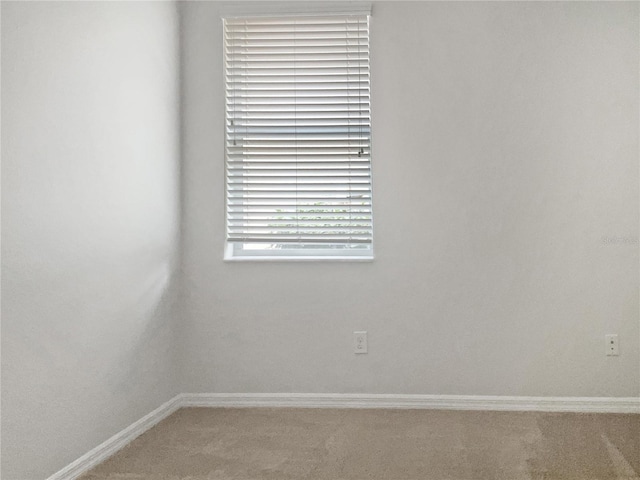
x,y
118,441
339,400
444,402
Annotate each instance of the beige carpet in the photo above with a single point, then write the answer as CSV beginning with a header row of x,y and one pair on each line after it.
x,y
301,444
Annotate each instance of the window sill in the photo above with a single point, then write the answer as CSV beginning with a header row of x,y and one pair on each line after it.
x,y
283,258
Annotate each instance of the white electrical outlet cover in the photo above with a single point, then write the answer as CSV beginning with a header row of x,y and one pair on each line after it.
x,y
613,345
359,342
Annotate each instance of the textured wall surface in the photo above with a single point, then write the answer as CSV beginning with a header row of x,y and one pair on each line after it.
x,y
90,221
505,176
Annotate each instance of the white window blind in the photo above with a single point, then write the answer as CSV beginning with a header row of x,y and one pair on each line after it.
x,y
298,135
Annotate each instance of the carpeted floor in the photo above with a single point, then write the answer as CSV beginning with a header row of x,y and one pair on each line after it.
x,y
309,444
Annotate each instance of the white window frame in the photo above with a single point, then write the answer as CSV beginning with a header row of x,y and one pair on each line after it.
x,y
243,251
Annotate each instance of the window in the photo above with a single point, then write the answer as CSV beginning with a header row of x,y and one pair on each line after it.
x,y
298,137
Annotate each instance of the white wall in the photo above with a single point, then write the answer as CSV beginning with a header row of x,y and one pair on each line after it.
x,y
505,151
505,146
90,224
